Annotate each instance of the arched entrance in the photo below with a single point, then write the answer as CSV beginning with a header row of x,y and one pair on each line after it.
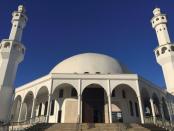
x,y
41,103
16,108
93,101
27,107
125,106
156,105
146,102
64,104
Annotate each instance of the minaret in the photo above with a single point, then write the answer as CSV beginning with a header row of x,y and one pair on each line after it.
x,y
11,54
165,51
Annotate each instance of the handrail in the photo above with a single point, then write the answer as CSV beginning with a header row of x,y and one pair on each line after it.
x,y
159,122
27,123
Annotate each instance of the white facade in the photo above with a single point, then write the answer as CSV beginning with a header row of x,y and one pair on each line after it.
x,y
11,54
85,88
165,51
125,93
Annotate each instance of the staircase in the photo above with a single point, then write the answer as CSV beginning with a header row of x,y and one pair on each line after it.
x,y
94,127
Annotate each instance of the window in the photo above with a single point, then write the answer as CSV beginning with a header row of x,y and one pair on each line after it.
x,y
157,19
163,50
117,117
123,94
172,48
23,50
86,72
157,53
7,44
73,92
136,109
40,109
46,107
131,108
162,17
61,93
52,107
98,73
113,93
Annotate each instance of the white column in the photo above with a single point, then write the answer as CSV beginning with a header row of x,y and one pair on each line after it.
x,y
79,108
43,109
20,112
32,111
153,110
110,108
109,102
141,109
80,101
49,107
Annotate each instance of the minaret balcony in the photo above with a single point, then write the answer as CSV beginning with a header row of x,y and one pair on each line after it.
x,y
164,52
8,47
160,19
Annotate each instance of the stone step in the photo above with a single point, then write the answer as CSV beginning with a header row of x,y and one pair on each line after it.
x,y
94,127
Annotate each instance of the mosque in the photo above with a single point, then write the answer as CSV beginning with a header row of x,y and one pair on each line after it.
x,y
85,88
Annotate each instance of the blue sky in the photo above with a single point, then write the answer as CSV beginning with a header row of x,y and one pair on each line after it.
x,y
58,29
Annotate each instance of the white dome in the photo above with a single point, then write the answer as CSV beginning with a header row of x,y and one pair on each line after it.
x,y
91,63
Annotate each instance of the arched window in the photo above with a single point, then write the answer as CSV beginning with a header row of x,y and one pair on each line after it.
x,y
131,108
163,50
162,17
136,109
123,94
46,107
52,107
157,53
157,19
7,44
61,93
73,92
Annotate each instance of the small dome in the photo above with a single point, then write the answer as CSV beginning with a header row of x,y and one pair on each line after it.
x,y
91,63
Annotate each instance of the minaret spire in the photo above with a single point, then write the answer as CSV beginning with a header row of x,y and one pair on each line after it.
x,y
18,23
159,22
12,53
165,51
